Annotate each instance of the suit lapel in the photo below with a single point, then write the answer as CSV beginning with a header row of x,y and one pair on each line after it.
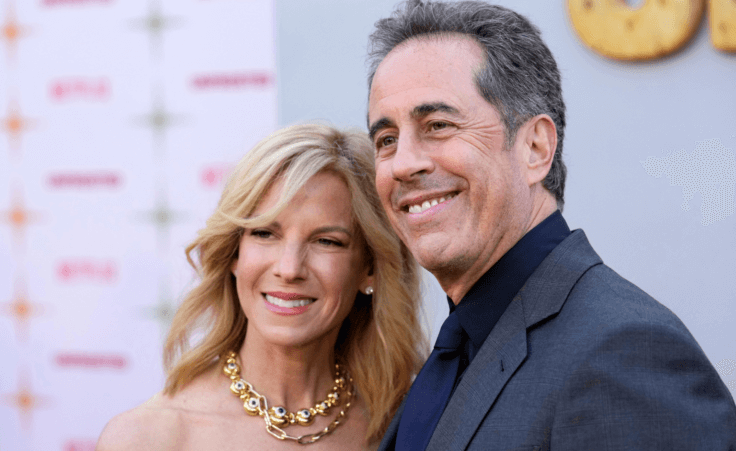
x,y
388,442
505,349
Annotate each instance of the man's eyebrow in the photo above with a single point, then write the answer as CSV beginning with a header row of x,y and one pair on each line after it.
x,y
418,112
426,109
379,125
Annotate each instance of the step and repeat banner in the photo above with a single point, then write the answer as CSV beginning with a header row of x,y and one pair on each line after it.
x,y
119,122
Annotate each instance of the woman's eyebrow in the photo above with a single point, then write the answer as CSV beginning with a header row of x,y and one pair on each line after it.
x,y
328,229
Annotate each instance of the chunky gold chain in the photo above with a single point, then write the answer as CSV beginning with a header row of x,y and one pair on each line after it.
x,y
277,417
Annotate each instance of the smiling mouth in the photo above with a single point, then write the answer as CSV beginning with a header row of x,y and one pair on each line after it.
x,y
429,203
288,303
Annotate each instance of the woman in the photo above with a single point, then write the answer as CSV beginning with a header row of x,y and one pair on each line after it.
x,y
309,305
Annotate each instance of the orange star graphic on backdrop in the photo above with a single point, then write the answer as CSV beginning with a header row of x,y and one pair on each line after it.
x,y
163,312
156,23
18,217
163,218
11,31
159,119
14,124
25,400
21,309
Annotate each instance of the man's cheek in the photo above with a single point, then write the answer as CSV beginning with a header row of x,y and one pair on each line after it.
x,y
383,186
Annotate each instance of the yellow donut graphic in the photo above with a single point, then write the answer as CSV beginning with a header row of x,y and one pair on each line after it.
x,y
616,30
723,24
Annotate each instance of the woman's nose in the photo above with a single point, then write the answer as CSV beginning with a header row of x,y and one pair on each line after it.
x,y
291,263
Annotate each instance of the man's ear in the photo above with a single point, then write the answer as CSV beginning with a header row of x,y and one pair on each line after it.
x,y
540,143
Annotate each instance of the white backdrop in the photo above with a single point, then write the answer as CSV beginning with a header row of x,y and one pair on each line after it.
x,y
119,119
118,122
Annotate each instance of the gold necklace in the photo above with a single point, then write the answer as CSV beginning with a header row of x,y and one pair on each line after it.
x,y
278,417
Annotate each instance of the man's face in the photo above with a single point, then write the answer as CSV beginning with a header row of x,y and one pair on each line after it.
x,y
452,190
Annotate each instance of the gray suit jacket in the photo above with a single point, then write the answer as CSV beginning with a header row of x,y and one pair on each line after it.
x,y
584,360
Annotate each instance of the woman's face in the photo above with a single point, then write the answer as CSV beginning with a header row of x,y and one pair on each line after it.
x,y
297,278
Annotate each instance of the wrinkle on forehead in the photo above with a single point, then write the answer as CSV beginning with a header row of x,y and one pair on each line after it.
x,y
461,43
429,39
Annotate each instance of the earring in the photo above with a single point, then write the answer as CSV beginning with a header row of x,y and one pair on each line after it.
x,y
369,290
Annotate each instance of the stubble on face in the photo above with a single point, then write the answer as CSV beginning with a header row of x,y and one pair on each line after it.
x,y
466,154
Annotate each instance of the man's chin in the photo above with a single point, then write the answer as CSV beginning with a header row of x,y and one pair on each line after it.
x,y
439,260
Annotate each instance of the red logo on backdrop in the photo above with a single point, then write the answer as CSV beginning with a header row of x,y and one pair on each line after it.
x,y
85,180
214,175
74,2
242,80
80,445
91,360
87,270
94,89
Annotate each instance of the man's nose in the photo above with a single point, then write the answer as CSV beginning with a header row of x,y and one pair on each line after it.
x,y
411,158
291,263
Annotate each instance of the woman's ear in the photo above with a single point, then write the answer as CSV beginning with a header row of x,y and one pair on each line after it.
x,y
367,286
234,266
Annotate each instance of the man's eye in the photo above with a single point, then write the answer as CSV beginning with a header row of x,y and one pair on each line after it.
x,y
438,125
386,141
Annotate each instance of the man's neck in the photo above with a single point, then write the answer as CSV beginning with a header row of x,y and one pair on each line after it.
x,y
456,286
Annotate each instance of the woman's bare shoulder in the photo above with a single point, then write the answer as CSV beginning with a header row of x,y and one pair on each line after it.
x,y
154,425
167,422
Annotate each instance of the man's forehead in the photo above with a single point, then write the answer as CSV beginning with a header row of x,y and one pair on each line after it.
x,y
438,46
424,72
426,56
438,41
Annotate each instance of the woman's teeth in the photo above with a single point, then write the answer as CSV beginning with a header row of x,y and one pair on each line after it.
x,y
429,204
288,304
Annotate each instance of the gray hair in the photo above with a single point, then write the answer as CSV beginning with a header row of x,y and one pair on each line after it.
x,y
520,78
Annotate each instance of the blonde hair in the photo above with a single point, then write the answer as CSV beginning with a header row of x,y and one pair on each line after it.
x,y
380,341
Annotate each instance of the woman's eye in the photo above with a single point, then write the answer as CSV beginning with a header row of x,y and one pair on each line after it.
x,y
329,242
258,233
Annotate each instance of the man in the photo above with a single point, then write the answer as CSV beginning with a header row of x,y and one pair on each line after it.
x,y
545,346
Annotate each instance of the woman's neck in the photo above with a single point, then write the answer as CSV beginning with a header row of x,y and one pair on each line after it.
x,y
291,377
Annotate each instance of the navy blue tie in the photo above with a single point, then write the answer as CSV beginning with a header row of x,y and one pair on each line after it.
x,y
432,388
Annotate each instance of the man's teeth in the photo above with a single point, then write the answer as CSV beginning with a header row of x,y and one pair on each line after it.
x,y
429,204
284,303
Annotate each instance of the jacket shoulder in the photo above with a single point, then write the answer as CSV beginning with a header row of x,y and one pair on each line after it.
x,y
632,366
604,293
